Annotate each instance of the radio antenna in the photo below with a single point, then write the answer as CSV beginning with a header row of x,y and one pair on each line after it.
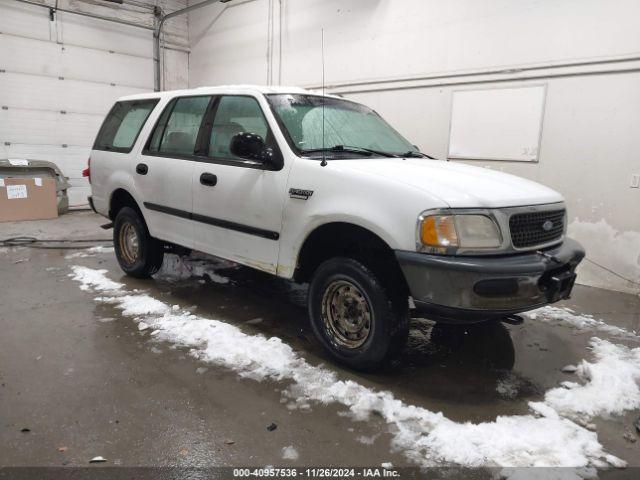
x,y
323,163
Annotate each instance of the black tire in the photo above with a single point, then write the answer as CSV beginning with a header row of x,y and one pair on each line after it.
x,y
146,259
364,298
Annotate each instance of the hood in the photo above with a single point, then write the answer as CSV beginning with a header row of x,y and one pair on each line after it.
x,y
457,184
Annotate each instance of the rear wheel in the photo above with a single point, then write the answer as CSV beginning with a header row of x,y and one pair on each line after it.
x,y
356,319
138,254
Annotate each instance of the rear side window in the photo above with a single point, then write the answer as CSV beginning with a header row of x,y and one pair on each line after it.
x,y
123,124
177,129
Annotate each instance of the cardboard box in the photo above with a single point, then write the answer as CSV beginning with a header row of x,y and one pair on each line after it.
x,y
27,199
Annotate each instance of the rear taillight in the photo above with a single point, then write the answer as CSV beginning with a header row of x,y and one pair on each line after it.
x,y
87,171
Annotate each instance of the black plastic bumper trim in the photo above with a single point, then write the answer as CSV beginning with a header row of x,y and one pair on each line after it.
x,y
446,314
470,289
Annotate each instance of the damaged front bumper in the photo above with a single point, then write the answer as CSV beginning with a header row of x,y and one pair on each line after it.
x,y
461,289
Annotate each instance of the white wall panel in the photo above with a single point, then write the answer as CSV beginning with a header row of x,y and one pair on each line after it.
x,y
48,128
29,56
50,93
368,39
229,44
101,66
101,35
25,20
19,54
175,72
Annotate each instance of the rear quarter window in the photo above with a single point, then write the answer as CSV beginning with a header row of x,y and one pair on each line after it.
x,y
123,124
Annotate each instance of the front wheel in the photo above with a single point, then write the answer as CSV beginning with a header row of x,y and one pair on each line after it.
x,y
356,319
138,253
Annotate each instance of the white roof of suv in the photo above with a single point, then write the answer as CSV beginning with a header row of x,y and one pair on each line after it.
x,y
228,89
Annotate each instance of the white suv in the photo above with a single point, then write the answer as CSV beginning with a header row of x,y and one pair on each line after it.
x,y
320,189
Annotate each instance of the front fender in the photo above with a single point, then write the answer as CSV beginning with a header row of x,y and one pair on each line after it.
x,y
295,233
386,208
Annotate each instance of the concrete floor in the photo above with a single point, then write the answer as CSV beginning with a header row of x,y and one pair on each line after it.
x,y
85,382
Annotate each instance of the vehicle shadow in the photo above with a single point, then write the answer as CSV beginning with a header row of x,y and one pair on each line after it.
x,y
465,371
484,346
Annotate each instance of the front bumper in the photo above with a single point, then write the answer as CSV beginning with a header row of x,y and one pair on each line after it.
x,y
471,289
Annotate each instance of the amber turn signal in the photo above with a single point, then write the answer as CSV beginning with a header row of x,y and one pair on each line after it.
x,y
439,231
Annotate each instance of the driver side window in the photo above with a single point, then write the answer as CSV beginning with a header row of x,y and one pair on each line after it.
x,y
236,114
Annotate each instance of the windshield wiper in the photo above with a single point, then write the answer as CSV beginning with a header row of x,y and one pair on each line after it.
x,y
416,154
342,148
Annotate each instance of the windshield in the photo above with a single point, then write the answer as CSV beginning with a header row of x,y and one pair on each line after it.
x,y
348,126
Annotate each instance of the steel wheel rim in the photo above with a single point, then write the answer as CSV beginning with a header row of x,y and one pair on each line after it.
x,y
129,243
346,314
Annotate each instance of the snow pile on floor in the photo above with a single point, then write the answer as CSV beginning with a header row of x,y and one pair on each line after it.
x,y
367,440
566,316
101,249
137,304
612,383
290,453
517,441
90,278
424,437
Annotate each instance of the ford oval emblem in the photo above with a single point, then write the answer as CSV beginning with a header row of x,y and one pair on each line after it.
x,y
548,225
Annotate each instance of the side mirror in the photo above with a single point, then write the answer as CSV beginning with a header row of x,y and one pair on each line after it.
x,y
252,147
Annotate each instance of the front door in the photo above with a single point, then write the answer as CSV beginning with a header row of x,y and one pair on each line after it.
x,y
237,204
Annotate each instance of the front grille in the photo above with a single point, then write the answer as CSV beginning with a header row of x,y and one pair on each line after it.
x,y
532,228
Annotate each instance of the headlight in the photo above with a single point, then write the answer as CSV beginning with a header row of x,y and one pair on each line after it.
x,y
447,233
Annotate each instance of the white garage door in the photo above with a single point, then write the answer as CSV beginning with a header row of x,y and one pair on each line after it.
x,y
59,78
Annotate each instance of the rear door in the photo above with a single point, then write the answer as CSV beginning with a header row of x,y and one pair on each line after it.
x,y
164,170
237,204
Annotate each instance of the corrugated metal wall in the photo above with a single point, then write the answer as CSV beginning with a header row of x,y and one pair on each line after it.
x,y
59,77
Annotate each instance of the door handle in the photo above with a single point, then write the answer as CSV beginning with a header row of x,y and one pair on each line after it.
x,y
142,168
208,179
